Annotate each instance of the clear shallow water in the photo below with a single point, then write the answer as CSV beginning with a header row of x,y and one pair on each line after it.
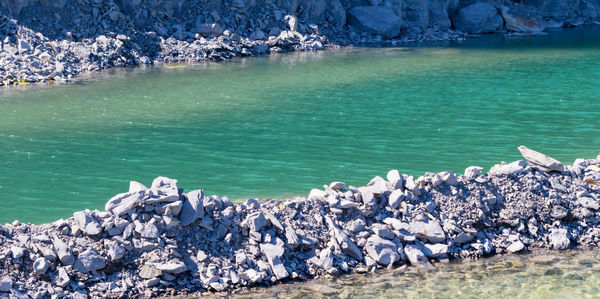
x,y
552,275
277,126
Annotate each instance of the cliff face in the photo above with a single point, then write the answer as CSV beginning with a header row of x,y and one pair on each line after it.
x,y
182,19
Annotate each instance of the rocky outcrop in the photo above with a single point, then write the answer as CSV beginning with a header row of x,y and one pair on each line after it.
x,y
172,242
54,41
478,18
377,20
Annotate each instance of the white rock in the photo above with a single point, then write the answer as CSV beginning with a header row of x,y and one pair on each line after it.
x,y
472,172
559,239
40,265
6,284
16,252
172,267
540,161
337,186
435,250
396,198
396,179
192,207
431,231
512,168
516,246
416,257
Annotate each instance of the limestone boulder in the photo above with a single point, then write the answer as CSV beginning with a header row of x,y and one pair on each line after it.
x,y
478,18
376,20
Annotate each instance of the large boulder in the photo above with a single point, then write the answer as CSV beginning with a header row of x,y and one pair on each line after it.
x,y
478,18
377,20
521,19
416,14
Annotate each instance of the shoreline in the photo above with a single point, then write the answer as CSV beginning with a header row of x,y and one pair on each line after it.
x,y
37,46
162,241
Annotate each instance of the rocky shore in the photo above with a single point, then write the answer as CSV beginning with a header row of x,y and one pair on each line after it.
x,y
44,41
163,241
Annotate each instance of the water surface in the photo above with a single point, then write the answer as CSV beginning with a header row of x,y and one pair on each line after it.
x,y
550,275
279,125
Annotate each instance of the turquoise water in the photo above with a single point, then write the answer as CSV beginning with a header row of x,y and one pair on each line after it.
x,y
277,126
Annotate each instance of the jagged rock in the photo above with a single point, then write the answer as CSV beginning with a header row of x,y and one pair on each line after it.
x,y
150,231
540,161
395,179
472,172
416,257
377,20
559,239
87,223
192,207
383,251
175,267
274,252
478,18
434,250
16,252
449,178
123,203
65,255
512,168
40,266
256,221
337,185
396,198
431,231
89,261
164,190
114,251
516,246
62,278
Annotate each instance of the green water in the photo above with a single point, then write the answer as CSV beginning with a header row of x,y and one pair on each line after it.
x,y
277,126
551,275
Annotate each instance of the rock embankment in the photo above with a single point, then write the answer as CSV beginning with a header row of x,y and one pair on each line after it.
x,y
55,40
164,241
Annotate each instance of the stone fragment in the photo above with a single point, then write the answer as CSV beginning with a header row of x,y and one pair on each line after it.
x,y
89,261
65,255
375,19
516,246
163,190
16,252
396,179
512,168
559,239
434,250
150,231
256,221
274,252
337,186
87,223
192,207
6,284
383,251
416,257
472,172
114,251
40,266
174,267
540,161
123,203
431,231
395,198
316,194
62,278
149,271
449,178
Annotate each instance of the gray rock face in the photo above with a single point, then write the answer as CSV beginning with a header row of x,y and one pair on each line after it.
x,y
87,223
559,239
478,18
192,207
383,251
416,257
518,18
377,20
431,231
89,261
540,161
